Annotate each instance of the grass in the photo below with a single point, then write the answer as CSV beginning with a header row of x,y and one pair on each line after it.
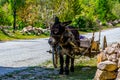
x,y
85,69
9,35
118,25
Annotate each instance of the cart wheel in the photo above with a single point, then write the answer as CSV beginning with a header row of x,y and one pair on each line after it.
x,y
55,58
104,43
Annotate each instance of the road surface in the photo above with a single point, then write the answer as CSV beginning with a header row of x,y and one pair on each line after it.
x,y
20,54
112,35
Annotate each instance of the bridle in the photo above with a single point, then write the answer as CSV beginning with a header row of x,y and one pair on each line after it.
x,y
70,36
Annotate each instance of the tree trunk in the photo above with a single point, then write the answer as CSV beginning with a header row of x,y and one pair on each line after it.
x,y
14,16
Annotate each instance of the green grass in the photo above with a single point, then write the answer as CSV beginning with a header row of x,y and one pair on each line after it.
x,y
81,73
84,70
118,25
9,35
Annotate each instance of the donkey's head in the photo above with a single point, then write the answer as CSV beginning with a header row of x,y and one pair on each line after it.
x,y
59,27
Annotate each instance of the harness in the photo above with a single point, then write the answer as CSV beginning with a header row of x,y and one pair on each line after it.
x,y
71,40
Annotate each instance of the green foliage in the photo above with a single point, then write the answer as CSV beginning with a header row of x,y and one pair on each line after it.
x,y
21,25
5,17
40,13
84,24
1,16
116,9
39,24
2,2
103,10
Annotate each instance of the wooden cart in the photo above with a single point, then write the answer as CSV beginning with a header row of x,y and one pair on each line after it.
x,y
90,45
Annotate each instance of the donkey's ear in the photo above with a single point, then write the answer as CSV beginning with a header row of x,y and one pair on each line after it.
x,y
66,23
56,20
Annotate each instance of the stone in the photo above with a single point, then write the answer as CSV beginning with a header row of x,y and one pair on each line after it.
x,y
118,70
107,65
109,69
110,50
112,57
118,53
101,57
115,45
104,75
105,51
118,76
85,68
118,62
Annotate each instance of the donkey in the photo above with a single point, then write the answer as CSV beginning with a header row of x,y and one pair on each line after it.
x,y
63,36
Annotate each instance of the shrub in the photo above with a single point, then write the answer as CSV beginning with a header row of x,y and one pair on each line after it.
x,y
84,24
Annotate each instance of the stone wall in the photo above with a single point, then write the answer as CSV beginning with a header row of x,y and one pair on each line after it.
x,y
108,67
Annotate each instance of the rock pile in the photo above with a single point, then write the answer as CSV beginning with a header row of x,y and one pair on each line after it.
x,y
113,23
34,30
108,67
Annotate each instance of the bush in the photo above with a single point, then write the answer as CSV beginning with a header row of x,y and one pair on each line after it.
x,y
84,24
39,24
21,25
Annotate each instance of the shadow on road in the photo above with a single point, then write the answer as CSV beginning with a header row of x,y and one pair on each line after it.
x,y
44,73
5,70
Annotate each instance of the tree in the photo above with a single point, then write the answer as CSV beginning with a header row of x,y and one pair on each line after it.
x,y
14,6
116,8
14,15
103,10
39,13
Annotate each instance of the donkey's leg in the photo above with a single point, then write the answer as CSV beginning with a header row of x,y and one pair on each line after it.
x,y
61,64
72,65
67,65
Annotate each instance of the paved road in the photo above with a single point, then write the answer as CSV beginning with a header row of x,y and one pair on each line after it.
x,y
112,35
19,54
